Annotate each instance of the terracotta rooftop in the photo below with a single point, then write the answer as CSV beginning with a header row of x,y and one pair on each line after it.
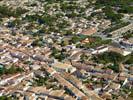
x,y
89,31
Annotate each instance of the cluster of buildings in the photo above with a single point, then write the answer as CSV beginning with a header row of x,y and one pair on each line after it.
x,y
77,76
94,81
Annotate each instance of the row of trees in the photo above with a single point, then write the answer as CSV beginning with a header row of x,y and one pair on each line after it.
x,y
113,58
8,12
108,57
117,26
94,41
113,2
11,70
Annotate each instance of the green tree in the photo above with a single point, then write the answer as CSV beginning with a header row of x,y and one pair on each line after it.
x,y
109,57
